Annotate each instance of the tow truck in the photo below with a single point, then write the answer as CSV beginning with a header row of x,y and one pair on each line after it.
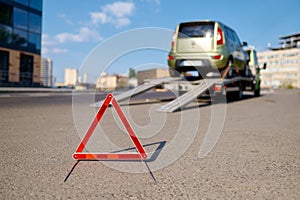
x,y
188,90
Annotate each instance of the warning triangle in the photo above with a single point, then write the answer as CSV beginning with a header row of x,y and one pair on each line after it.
x,y
80,155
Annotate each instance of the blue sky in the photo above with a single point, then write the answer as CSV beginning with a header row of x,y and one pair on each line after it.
x,y
73,28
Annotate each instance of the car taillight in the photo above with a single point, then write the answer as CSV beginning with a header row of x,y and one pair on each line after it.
x,y
220,39
173,40
217,57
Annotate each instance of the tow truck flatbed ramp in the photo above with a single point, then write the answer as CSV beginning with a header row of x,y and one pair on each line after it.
x,y
196,88
189,96
140,89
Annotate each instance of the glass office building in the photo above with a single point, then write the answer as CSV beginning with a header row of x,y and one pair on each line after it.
x,y
20,42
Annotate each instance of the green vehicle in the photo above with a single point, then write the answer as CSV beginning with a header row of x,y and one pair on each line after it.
x,y
254,70
206,47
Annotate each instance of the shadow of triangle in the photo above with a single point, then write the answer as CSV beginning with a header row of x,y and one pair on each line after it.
x,y
153,157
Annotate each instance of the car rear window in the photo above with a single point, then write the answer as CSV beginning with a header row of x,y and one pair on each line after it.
x,y
202,29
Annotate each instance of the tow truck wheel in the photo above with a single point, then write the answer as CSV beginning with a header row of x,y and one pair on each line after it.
x,y
238,95
257,92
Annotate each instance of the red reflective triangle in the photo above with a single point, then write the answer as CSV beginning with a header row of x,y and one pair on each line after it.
x,y
80,155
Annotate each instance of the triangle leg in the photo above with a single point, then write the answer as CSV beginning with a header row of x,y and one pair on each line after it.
x,y
66,178
150,172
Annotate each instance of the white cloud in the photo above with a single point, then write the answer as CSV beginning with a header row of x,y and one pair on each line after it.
x,y
50,44
119,9
59,50
46,51
98,17
116,13
64,17
119,22
46,41
85,34
157,2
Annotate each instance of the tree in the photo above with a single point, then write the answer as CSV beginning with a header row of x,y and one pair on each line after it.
x,y
132,73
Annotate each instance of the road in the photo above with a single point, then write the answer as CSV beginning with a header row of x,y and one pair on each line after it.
x,y
256,157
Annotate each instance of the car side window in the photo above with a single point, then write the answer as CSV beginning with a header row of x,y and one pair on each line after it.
x,y
237,40
228,34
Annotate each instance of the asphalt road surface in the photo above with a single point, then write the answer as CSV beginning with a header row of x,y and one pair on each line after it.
x,y
256,157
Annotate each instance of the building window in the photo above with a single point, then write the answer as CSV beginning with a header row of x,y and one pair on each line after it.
x,y
20,38
34,23
36,4
5,14
26,69
23,2
20,19
5,34
21,25
292,54
34,42
4,64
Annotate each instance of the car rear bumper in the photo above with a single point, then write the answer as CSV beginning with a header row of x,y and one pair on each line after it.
x,y
190,62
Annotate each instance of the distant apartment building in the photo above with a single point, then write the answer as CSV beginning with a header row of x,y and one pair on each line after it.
x,y
20,42
283,63
107,82
151,74
71,77
85,78
46,72
112,82
122,82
